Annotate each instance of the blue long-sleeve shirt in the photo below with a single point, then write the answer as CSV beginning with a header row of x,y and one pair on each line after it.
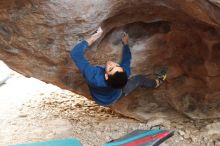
x,y
101,92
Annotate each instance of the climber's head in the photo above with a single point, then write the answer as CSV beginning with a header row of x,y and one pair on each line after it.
x,y
115,75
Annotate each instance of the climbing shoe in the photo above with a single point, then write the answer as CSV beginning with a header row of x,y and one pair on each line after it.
x,y
161,76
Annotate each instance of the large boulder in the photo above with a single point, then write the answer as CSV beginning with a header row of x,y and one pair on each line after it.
x,y
36,37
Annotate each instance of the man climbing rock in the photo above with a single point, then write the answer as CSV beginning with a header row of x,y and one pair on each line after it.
x,y
110,83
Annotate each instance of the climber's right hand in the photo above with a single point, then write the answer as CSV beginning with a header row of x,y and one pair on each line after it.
x,y
95,36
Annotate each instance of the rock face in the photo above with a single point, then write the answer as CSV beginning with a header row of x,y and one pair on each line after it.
x,y
36,37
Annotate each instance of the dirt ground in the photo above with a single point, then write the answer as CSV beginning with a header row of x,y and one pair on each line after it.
x,y
31,110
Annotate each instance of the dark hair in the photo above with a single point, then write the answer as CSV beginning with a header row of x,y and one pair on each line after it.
x,y
117,80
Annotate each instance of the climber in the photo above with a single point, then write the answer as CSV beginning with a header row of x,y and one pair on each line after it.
x,y
108,84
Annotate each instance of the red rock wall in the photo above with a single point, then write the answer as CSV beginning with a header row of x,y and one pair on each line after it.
x,y
37,35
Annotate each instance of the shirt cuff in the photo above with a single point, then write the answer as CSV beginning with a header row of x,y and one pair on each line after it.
x,y
125,45
85,43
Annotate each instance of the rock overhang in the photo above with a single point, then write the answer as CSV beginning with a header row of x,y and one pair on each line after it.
x,y
36,37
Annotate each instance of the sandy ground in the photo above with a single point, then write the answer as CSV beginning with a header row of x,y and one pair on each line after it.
x,y
31,110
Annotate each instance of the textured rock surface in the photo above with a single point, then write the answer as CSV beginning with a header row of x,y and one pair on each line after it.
x,y
45,112
37,35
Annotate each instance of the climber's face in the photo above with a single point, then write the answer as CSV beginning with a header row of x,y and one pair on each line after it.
x,y
112,67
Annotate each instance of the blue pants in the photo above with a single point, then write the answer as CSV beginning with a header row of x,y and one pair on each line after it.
x,y
138,81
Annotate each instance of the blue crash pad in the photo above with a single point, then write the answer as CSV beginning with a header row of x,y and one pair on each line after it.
x,y
64,142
